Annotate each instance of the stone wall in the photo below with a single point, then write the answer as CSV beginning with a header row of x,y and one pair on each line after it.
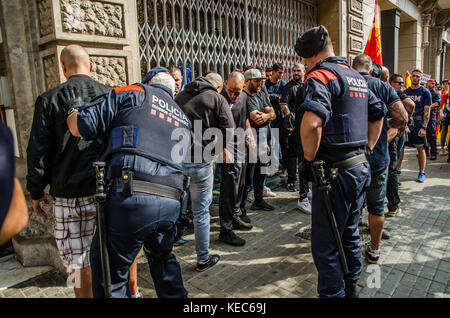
x,y
35,33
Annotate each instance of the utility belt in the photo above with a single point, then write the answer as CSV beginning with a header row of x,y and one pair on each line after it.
x,y
323,173
128,182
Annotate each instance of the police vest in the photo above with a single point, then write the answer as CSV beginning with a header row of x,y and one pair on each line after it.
x,y
157,129
348,125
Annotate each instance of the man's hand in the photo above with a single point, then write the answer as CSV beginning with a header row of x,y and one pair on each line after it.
x,y
227,156
391,133
422,132
70,99
259,118
250,142
37,207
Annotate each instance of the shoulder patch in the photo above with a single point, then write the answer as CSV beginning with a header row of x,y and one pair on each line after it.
x,y
322,75
129,88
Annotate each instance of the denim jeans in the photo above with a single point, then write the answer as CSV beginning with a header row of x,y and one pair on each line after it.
x,y
377,192
200,191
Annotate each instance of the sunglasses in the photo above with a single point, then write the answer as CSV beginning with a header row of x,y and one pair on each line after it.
x,y
401,83
416,76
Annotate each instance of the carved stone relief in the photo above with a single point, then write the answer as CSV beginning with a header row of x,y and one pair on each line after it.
x,y
51,72
92,18
45,17
356,44
110,71
356,7
356,25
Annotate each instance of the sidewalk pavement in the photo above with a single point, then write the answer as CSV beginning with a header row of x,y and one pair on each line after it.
x,y
414,262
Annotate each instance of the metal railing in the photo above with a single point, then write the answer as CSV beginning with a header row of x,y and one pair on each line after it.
x,y
221,35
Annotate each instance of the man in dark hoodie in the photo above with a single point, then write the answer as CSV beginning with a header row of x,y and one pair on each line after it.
x,y
206,109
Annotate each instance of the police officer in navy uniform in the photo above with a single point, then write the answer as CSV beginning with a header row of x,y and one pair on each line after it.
x,y
140,120
340,118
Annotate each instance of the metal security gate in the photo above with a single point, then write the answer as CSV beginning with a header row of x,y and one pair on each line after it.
x,y
221,35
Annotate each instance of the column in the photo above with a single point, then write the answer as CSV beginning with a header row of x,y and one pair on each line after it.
x,y
390,25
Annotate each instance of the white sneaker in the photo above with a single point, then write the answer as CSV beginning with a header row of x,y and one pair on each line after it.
x,y
304,206
268,193
250,197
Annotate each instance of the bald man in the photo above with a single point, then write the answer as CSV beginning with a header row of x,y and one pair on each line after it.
x,y
233,174
64,162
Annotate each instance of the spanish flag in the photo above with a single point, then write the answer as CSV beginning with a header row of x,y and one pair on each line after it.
x,y
373,45
407,80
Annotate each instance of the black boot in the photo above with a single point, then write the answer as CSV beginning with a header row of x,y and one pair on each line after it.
x,y
350,289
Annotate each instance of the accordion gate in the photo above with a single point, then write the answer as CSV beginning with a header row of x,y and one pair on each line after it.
x,y
221,35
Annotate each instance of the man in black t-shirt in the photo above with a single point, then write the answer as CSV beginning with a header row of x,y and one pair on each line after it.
x,y
233,174
261,114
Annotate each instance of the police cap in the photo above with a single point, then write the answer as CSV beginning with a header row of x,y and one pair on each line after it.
x,y
311,42
153,72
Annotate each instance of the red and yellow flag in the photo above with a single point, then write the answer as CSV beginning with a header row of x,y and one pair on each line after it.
x,y
373,45
407,80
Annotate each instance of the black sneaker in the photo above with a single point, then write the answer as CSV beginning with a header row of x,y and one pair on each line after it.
x,y
291,187
213,260
240,224
231,238
263,205
350,289
244,217
385,235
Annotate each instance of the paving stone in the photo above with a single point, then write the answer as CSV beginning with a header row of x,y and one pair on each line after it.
x,y
414,263
422,284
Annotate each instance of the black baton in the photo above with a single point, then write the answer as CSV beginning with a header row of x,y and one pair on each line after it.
x,y
325,187
101,225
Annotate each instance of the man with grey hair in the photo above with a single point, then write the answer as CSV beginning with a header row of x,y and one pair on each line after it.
x,y
164,79
206,108
146,183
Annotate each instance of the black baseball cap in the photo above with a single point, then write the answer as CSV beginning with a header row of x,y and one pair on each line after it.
x,y
311,42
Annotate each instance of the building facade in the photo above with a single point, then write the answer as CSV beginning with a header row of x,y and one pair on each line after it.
x,y
125,38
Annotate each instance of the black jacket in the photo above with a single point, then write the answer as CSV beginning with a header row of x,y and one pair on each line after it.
x,y
200,101
56,157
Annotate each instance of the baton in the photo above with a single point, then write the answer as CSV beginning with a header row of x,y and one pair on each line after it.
x,y
325,187
101,225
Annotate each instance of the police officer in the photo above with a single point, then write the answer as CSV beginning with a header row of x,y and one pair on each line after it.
x,y
340,118
144,175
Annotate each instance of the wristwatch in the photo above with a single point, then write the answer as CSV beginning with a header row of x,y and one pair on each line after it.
x,y
72,110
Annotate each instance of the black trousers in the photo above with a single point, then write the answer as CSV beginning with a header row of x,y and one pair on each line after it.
x,y
392,180
231,192
431,135
294,157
